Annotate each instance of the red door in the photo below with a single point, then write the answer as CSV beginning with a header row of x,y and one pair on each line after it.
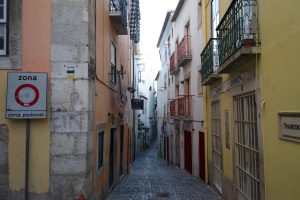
x,y
188,151
202,156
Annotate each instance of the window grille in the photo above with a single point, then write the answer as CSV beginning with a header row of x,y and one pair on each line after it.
x,y
3,27
217,144
247,148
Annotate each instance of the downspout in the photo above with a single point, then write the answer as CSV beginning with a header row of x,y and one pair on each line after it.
x,y
133,96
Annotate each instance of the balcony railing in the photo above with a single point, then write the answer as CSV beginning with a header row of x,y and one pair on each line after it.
x,y
173,108
184,52
237,29
173,62
210,61
184,106
118,14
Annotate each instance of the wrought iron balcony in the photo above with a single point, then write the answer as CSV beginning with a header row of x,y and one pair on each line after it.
x,y
173,63
173,108
184,106
118,15
237,33
184,52
210,62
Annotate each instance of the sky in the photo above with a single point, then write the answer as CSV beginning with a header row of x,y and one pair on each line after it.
x,y
153,13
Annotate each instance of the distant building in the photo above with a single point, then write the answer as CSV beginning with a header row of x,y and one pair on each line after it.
x,y
180,96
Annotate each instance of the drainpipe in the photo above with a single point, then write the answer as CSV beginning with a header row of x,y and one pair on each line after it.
x,y
133,111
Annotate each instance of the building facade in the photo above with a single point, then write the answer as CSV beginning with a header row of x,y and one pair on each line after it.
x,y
84,145
180,44
251,103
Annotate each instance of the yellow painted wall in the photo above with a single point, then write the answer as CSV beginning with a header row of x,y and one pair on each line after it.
x,y
280,31
278,73
225,99
36,58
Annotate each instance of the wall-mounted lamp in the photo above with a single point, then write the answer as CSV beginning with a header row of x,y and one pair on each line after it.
x,y
131,89
112,119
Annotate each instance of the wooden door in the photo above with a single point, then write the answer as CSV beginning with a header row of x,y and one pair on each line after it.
x,y
188,151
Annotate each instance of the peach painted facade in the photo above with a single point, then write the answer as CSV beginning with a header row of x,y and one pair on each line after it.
x,y
64,148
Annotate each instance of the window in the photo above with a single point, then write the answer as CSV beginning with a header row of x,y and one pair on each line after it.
x,y
199,14
169,46
166,53
217,152
122,72
247,147
214,17
139,76
113,71
100,150
3,27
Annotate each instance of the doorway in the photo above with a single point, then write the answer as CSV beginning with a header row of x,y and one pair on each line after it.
x,y
112,156
121,149
188,151
217,151
202,156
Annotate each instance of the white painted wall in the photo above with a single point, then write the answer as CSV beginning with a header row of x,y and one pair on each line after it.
x,y
189,12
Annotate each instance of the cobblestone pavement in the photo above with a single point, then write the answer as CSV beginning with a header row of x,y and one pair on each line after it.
x,y
154,179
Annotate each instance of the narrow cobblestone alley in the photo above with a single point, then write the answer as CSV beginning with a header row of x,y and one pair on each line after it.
x,y
153,178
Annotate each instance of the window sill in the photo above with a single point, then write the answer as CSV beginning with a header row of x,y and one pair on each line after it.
x,y
9,62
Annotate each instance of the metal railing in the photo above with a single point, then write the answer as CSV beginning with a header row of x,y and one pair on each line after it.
x,y
173,61
238,27
119,6
184,52
173,110
184,106
210,59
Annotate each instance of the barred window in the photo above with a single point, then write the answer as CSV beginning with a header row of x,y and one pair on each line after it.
x,y
3,27
247,147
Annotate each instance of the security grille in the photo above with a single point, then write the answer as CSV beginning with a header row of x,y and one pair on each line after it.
x,y
217,145
247,149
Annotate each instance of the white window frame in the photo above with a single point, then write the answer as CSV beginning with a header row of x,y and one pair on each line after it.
x,y
113,61
215,17
247,148
4,22
217,145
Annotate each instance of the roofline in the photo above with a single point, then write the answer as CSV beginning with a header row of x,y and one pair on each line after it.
x,y
156,78
177,10
168,15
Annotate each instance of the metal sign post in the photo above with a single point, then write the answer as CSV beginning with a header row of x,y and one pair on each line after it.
x,y
27,157
26,98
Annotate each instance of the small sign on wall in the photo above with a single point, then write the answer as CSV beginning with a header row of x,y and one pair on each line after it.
x,y
289,126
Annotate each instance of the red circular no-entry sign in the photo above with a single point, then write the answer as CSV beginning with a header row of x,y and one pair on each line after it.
x,y
27,95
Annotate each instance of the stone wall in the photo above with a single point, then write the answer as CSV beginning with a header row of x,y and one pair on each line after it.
x,y
71,100
3,160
